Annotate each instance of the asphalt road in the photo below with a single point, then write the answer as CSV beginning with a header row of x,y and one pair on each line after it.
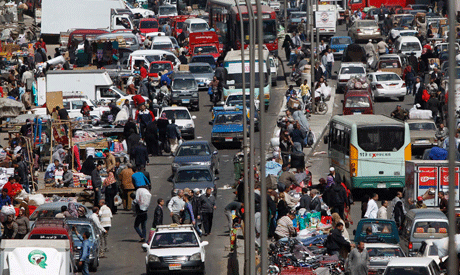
x,y
125,254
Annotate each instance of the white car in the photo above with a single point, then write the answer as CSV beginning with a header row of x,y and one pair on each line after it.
x,y
347,70
274,4
175,248
380,254
412,266
144,12
73,107
428,249
387,84
183,119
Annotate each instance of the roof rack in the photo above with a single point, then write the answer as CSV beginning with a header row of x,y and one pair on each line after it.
x,y
174,226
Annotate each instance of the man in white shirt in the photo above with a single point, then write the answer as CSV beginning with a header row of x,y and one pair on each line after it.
x,y
330,62
105,216
372,208
95,218
322,46
382,214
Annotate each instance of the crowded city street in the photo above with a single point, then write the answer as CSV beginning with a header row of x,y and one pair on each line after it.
x,y
132,142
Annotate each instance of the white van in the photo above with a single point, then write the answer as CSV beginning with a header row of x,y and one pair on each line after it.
x,y
196,25
151,55
162,43
408,45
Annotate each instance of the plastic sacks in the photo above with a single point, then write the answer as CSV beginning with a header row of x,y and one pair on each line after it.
x,y
357,83
415,113
8,210
37,199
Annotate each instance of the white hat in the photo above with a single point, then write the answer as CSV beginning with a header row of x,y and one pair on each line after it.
x,y
370,40
196,190
331,169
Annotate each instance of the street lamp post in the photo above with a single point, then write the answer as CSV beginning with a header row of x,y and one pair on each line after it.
x,y
312,55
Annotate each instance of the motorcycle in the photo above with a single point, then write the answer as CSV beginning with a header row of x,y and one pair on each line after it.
x,y
296,76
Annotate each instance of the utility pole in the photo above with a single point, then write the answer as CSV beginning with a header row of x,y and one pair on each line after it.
x,y
245,145
312,55
317,29
452,267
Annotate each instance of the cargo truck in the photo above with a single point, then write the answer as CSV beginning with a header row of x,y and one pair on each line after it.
x,y
425,178
59,16
36,257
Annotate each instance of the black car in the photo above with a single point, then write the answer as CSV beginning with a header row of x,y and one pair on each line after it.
x,y
195,176
196,153
184,91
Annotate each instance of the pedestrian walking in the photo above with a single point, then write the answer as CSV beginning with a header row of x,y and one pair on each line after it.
x,y
188,216
127,186
208,205
358,260
335,241
330,62
23,224
382,213
176,206
372,208
110,190
174,135
158,214
97,182
141,202
105,216
443,204
95,218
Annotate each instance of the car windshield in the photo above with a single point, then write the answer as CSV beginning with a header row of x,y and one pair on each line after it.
x,y
181,239
389,64
159,67
387,77
149,25
407,270
385,252
297,14
50,213
366,24
235,100
48,237
81,228
341,40
205,49
422,126
193,150
381,138
357,101
352,70
177,114
167,10
430,229
229,119
377,228
200,69
184,84
206,59
410,46
193,176
162,46
197,27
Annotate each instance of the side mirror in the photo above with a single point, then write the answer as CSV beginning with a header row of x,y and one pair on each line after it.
x,y
341,101
204,243
211,122
216,178
215,152
326,139
170,179
354,232
193,117
335,72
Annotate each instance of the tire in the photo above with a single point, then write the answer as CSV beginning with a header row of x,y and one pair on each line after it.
x,y
322,108
274,83
216,171
401,98
197,108
94,265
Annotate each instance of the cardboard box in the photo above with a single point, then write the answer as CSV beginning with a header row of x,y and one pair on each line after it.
x,y
293,103
183,68
85,68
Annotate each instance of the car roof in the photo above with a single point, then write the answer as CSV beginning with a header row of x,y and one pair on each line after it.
x,y
174,108
381,245
420,120
181,75
427,214
49,230
196,64
194,167
194,142
408,39
202,55
161,39
55,205
380,73
340,37
352,64
174,228
410,261
195,20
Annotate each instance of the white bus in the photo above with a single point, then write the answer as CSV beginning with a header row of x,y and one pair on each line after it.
x,y
369,151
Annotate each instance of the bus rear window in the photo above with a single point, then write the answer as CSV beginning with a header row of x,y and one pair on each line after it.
x,y
381,138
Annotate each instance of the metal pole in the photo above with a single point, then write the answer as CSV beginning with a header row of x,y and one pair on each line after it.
x,y
263,189
452,267
317,29
285,17
245,147
252,234
312,56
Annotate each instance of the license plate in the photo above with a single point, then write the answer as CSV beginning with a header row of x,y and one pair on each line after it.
x,y
185,100
357,113
381,185
229,139
175,267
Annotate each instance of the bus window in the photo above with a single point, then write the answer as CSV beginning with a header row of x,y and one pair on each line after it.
x,y
380,138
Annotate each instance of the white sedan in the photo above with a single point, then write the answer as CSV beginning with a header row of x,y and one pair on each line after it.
x,y
387,84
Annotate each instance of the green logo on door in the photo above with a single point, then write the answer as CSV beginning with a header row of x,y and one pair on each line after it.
x,y
38,257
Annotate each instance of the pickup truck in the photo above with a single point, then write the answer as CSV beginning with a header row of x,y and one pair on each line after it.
x,y
386,230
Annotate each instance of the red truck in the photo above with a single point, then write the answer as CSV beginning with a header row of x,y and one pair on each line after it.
x,y
357,102
360,4
425,178
177,24
204,43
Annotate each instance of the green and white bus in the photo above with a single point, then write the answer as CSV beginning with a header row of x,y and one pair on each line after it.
x,y
232,63
369,151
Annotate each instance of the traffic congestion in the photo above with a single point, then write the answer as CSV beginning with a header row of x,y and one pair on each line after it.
x,y
124,127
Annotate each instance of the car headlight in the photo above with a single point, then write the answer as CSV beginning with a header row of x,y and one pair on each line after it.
x,y
153,258
190,125
214,135
204,163
175,95
196,257
195,95
240,134
175,165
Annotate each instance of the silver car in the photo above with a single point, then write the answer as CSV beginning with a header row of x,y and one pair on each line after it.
x,y
202,72
363,30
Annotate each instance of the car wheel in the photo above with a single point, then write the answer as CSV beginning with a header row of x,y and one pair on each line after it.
x,y
94,265
216,171
275,83
197,108
149,272
401,98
